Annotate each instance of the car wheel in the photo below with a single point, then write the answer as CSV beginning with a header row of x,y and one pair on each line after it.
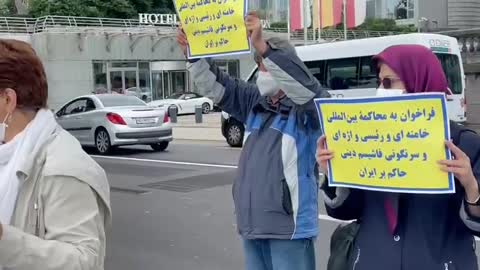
x,y
206,108
102,142
235,132
160,147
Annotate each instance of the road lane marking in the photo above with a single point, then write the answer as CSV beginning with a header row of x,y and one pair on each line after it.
x,y
168,162
321,217
327,218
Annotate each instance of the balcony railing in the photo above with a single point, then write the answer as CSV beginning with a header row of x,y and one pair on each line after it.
x,y
68,24
332,34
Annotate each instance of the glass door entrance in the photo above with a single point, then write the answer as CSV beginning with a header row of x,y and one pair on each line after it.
x,y
116,82
167,82
122,80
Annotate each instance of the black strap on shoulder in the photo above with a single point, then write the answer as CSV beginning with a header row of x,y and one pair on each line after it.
x,y
457,131
473,151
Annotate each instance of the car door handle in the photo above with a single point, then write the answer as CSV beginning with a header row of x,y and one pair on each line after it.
x,y
78,117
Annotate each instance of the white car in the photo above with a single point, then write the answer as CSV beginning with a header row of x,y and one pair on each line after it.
x,y
110,120
185,103
143,93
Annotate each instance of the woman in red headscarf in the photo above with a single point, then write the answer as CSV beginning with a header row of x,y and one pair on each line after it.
x,y
414,231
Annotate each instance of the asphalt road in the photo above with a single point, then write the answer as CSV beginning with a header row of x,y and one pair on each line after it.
x,y
174,211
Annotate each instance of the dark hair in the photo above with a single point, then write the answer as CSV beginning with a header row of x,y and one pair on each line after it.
x,y
22,71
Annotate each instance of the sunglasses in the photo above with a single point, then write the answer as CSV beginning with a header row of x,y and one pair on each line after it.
x,y
387,82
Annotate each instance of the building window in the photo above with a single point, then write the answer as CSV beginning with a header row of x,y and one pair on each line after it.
x,y
100,78
231,67
371,9
130,78
400,9
144,81
411,9
128,64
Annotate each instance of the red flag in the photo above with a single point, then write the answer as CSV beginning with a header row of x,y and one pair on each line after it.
x,y
296,19
356,12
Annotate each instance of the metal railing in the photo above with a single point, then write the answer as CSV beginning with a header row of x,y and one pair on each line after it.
x,y
68,24
71,24
461,32
16,25
332,34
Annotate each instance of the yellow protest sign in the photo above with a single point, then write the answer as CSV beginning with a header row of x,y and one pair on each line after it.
x,y
214,27
388,143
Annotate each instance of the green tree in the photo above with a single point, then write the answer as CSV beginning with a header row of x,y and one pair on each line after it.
x,y
97,8
83,8
117,9
40,8
279,25
372,24
8,8
4,10
163,6
142,6
11,7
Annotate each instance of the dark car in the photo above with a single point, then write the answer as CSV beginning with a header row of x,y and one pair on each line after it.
x,y
233,130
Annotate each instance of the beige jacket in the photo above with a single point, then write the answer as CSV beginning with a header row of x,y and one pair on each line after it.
x,y
62,210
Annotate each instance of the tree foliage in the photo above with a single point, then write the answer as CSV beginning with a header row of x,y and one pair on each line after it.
x,y
99,8
163,6
374,24
7,8
4,10
40,8
388,25
279,25
117,9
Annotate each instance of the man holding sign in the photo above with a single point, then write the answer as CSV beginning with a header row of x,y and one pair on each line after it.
x,y
275,191
389,166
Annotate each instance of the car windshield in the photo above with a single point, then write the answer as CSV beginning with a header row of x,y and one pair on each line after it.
x,y
176,96
120,101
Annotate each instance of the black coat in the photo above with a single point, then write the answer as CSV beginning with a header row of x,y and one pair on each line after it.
x,y
430,234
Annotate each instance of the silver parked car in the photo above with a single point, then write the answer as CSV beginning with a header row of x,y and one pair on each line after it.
x,y
109,120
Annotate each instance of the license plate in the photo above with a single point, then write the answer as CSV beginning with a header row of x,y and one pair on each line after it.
x,y
143,121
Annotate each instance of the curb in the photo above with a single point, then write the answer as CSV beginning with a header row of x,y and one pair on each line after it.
x,y
198,134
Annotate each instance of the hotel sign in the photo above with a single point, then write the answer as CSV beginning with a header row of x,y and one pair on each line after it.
x,y
158,19
171,19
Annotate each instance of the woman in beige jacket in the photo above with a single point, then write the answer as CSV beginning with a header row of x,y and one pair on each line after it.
x,y
54,199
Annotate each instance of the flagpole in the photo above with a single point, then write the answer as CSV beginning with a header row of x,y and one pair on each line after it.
x,y
345,19
313,23
320,18
288,20
312,19
305,27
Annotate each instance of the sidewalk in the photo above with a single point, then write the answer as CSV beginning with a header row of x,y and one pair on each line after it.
x,y
208,130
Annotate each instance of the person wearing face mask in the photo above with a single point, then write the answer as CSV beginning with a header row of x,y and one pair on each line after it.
x,y
414,231
54,199
275,191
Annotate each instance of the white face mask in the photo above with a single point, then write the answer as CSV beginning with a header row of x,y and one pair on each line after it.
x,y
381,92
266,84
3,129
